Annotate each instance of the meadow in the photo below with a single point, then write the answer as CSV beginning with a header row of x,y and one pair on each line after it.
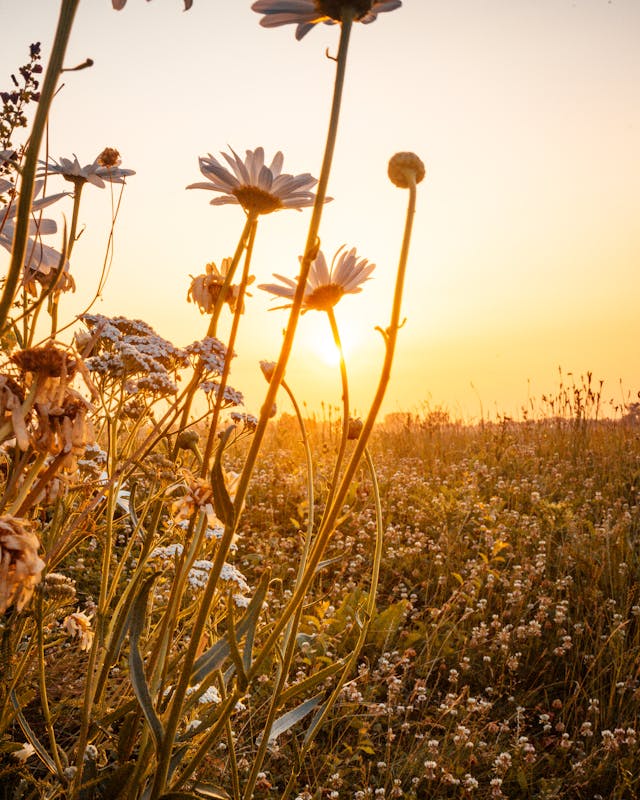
x,y
200,602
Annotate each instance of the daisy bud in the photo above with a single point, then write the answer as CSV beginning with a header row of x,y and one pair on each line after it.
x,y
268,368
354,428
405,169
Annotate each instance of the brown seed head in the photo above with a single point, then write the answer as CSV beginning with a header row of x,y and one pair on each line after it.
x,y
109,157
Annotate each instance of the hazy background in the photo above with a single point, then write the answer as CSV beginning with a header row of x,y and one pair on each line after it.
x,y
527,237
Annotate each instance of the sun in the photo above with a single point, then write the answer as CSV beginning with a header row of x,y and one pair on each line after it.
x,y
326,350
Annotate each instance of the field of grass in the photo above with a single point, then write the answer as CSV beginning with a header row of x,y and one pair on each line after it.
x,y
503,659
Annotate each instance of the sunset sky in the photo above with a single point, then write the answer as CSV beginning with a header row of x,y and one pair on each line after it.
x,y
526,251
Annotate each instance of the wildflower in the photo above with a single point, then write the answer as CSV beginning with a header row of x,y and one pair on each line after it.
x,y
20,565
405,169
25,752
325,287
205,289
11,399
307,13
105,167
78,625
250,183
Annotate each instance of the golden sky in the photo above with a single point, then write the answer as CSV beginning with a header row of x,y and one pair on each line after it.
x,y
526,252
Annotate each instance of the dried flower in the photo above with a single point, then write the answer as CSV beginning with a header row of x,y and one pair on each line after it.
x,y
20,565
78,625
250,183
325,287
205,289
307,13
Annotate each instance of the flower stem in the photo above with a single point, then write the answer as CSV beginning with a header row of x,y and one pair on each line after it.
x,y
310,252
345,408
65,22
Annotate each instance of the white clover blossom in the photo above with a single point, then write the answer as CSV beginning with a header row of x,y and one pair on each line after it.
x,y
326,286
258,188
307,13
104,168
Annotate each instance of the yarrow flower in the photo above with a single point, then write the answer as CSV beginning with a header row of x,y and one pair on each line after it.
x,y
258,188
325,287
307,13
105,167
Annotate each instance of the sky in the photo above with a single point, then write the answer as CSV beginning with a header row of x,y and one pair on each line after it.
x,y
525,258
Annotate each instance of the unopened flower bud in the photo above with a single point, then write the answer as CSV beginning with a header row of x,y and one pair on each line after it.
x,y
268,368
405,170
187,440
354,428
109,157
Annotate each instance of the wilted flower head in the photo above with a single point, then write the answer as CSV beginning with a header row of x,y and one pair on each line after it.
x,y
258,188
307,13
78,625
205,289
105,167
20,565
325,287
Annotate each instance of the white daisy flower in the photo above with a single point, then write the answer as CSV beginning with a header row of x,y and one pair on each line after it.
x,y
40,259
106,167
326,286
258,188
307,13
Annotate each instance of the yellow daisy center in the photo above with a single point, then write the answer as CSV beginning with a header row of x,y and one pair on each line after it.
x,y
252,198
324,297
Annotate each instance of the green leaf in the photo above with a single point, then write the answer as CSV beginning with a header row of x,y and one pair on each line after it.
x,y
222,504
288,720
385,626
215,656
310,682
136,666
31,737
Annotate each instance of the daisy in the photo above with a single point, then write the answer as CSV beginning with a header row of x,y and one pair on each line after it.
x,y
325,287
205,289
258,188
41,261
307,13
105,167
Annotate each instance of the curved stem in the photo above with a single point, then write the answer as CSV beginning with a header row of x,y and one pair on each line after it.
x,y
55,296
63,32
345,408
331,514
310,251
230,345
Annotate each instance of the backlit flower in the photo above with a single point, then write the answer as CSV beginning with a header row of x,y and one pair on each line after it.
x,y
205,289
307,13
405,170
78,625
20,565
258,188
104,168
326,286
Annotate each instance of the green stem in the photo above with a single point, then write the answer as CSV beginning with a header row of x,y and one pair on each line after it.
x,y
55,296
345,408
65,22
310,251
331,515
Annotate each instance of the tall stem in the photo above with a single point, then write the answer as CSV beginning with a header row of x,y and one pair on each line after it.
x,y
310,251
63,32
332,514
345,407
55,297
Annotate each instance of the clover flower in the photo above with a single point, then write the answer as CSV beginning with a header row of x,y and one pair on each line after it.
x,y
20,565
258,188
307,13
326,286
105,167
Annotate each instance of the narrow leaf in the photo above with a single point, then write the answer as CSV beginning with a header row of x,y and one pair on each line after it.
x,y
136,665
209,790
310,682
222,503
289,719
215,656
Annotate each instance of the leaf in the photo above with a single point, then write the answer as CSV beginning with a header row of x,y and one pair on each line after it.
x,y
222,504
288,720
215,656
459,577
209,790
386,625
138,679
31,737
311,681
